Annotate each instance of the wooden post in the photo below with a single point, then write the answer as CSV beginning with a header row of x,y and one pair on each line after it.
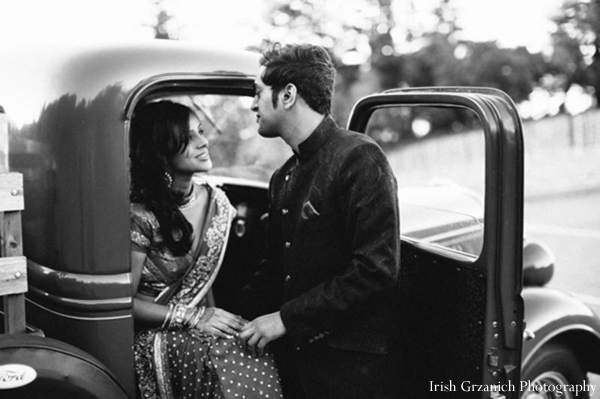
x,y
3,141
13,266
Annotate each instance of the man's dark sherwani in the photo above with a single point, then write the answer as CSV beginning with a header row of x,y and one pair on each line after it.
x,y
334,254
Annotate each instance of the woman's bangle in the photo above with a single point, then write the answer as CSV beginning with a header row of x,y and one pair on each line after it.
x,y
167,320
178,317
195,319
189,315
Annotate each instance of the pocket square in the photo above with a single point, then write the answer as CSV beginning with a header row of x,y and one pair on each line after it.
x,y
309,211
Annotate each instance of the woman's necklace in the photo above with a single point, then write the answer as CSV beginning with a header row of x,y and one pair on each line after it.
x,y
186,202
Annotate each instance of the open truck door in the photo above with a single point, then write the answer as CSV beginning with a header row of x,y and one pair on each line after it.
x,y
460,313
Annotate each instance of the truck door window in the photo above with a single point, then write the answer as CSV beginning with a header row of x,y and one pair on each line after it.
x,y
438,157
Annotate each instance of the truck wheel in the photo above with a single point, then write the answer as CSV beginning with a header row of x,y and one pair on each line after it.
x,y
63,371
554,365
47,390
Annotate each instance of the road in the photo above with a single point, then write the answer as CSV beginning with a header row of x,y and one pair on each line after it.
x,y
569,223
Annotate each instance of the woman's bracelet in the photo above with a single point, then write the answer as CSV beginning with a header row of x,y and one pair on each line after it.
x,y
189,315
180,316
168,318
195,319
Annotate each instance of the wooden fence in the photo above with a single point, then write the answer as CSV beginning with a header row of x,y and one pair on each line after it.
x,y
13,266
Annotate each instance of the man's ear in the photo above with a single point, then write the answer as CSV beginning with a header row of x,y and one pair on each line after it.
x,y
289,95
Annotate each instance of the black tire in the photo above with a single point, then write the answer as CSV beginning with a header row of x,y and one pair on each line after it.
x,y
47,390
553,364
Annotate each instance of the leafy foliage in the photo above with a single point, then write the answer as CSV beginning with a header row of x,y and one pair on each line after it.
x,y
434,58
576,56
373,52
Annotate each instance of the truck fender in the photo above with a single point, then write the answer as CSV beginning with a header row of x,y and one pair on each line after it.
x,y
60,370
555,316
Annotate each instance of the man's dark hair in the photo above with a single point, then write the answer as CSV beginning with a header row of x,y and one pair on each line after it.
x,y
306,66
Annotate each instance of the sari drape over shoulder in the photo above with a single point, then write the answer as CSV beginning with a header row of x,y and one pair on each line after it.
x,y
187,363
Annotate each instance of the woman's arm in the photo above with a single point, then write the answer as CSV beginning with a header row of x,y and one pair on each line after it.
x,y
214,321
144,310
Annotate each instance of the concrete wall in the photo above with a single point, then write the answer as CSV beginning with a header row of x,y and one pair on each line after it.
x,y
562,153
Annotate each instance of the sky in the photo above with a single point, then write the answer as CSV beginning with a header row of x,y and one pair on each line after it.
x,y
230,23
221,22
511,22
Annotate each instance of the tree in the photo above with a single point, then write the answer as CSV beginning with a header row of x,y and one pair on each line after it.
x,y
576,53
349,30
161,28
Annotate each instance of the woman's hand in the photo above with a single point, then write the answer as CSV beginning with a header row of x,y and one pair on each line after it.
x,y
220,323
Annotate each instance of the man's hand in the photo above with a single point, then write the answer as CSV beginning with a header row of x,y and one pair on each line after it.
x,y
262,330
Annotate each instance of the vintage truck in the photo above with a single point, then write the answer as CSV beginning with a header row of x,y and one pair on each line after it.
x,y
467,325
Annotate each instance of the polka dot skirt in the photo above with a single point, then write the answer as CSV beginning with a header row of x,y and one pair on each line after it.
x,y
243,375
208,367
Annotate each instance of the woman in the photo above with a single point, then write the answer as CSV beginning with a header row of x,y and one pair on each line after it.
x,y
187,348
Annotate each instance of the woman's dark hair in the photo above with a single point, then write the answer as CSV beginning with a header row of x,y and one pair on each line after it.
x,y
307,66
159,131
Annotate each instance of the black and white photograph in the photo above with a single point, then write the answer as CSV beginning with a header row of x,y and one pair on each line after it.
x,y
299,199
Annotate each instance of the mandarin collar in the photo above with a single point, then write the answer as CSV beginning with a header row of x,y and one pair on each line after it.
x,y
317,138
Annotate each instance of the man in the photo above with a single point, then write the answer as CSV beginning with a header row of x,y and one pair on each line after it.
x,y
333,240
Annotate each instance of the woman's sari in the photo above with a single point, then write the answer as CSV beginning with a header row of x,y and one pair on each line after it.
x,y
186,363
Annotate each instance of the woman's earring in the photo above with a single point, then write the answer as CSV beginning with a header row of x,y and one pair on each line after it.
x,y
169,179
